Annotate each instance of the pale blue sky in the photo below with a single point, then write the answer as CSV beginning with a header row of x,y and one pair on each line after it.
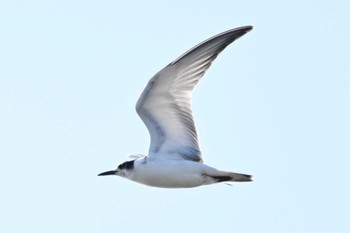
x,y
275,104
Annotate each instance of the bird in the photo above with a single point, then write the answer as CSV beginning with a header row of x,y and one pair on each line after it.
x,y
174,158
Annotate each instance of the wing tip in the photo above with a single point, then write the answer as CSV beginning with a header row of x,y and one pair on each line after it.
x,y
240,31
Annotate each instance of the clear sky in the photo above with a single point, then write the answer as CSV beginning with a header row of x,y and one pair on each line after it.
x,y
275,104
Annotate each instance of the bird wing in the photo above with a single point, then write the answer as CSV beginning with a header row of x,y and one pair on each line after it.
x,y
165,103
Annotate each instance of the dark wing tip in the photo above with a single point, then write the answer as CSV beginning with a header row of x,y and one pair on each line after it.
x,y
235,33
221,40
247,27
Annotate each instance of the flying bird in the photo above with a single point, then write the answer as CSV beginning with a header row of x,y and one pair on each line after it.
x,y
174,159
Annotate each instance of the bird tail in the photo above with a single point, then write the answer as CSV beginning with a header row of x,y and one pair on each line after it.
x,y
239,177
231,176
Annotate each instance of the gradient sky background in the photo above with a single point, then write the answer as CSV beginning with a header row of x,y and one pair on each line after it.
x,y
275,104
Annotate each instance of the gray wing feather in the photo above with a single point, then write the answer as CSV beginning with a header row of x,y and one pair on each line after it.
x,y
165,103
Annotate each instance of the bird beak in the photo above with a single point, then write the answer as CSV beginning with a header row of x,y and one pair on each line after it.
x,y
113,172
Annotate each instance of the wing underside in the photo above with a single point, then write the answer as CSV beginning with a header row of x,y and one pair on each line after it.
x,y
165,104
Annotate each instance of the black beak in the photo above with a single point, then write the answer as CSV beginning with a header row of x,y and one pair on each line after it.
x,y
108,173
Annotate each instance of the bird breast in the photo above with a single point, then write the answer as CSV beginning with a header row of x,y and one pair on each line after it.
x,y
168,173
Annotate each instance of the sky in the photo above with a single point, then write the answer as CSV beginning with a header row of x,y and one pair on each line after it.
x,y
275,104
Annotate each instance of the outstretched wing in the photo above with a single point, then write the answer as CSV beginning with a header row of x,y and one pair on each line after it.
x,y
165,103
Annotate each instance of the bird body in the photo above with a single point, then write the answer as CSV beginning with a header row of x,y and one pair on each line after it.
x,y
175,159
167,173
176,173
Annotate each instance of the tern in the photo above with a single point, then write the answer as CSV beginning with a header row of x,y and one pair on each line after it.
x,y
174,159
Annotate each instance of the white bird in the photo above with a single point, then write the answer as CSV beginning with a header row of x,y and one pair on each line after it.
x,y
174,159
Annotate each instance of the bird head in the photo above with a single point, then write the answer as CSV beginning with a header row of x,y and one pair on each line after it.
x,y
120,170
